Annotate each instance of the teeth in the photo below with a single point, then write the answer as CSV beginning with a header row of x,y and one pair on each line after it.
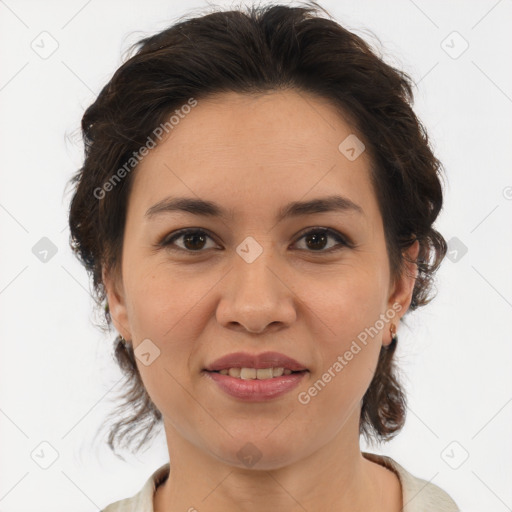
x,y
234,372
253,373
264,373
248,373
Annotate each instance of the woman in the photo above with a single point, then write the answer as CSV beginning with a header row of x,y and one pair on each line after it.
x,y
256,209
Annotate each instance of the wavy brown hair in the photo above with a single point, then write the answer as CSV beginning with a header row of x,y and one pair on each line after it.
x,y
257,50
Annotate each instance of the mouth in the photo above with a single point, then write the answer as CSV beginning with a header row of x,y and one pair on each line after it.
x,y
256,377
245,373
266,365
251,387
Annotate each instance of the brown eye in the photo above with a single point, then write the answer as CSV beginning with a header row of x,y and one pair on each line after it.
x,y
316,240
194,240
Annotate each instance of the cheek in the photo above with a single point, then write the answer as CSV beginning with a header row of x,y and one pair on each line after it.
x,y
348,332
162,299
347,301
335,396
348,345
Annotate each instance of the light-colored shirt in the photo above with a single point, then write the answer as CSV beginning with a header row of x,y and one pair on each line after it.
x,y
418,495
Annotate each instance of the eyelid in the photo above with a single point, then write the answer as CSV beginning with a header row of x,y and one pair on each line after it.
x,y
344,240
168,240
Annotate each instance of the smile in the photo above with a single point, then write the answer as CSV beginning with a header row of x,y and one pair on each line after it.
x,y
247,385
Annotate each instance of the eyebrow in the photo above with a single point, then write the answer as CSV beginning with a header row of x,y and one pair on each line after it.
x,y
295,209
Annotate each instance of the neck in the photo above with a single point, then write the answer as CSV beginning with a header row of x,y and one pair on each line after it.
x,y
335,477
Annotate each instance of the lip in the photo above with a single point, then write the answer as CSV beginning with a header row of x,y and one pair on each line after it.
x,y
258,361
254,390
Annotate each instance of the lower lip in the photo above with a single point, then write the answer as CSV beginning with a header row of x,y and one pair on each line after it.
x,y
254,390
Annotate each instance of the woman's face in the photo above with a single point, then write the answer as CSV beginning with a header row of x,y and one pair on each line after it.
x,y
255,280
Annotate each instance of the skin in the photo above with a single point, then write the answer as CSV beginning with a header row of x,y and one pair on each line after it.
x,y
253,154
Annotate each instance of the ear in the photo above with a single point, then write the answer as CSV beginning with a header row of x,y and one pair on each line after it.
x,y
401,293
116,302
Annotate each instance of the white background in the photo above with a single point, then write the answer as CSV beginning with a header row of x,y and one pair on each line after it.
x,y
58,379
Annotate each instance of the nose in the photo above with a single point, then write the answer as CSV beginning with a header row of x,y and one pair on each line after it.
x,y
256,296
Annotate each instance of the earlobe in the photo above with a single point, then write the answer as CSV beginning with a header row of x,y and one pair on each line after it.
x,y
401,296
116,303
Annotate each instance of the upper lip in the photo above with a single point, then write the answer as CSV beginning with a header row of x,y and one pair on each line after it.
x,y
258,361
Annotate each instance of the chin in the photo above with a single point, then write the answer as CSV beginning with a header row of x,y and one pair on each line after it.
x,y
256,452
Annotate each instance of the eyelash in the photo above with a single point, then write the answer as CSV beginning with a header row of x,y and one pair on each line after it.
x,y
167,242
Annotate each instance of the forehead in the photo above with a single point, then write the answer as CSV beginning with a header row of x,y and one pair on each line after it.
x,y
283,124
254,148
